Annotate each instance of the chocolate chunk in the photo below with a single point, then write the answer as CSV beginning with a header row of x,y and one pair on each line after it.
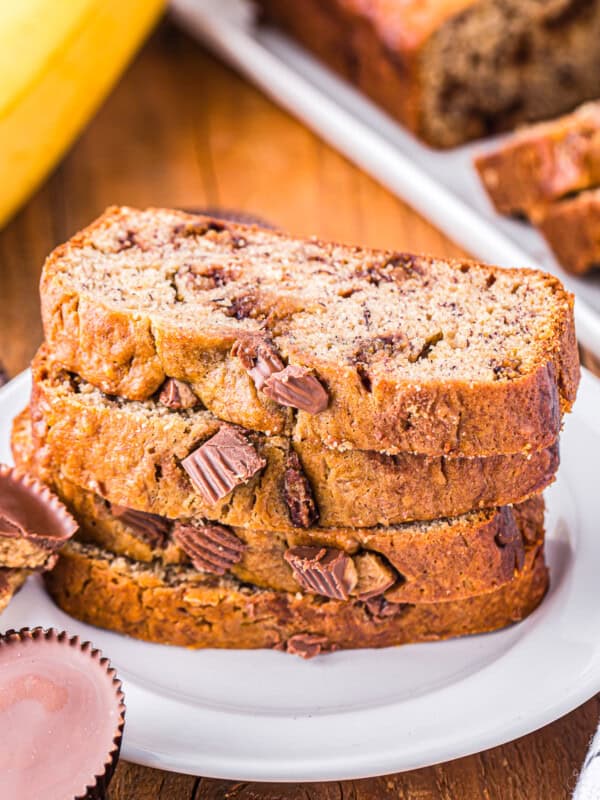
x,y
151,528
211,548
510,536
28,509
308,645
323,570
380,608
177,395
375,576
3,375
297,387
298,494
259,358
223,462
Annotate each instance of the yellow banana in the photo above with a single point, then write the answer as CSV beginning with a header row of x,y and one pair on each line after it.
x,y
58,60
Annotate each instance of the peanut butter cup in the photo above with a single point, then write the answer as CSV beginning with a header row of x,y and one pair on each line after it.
x,y
298,388
211,548
323,570
34,523
259,358
228,459
11,581
64,707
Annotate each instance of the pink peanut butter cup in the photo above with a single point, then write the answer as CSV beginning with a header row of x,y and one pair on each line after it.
x,y
29,510
63,712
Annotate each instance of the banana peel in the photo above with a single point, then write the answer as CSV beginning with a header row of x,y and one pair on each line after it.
x,y
58,61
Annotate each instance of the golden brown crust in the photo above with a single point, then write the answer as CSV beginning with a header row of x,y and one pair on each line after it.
x,y
179,609
543,163
130,355
572,229
131,455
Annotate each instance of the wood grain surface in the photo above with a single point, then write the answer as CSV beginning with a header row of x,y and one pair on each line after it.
x,y
182,130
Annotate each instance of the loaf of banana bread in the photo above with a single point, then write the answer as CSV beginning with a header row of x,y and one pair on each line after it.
x,y
357,349
543,163
455,70
145,456
176,605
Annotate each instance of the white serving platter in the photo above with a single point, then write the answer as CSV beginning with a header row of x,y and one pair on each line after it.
x,y
267,716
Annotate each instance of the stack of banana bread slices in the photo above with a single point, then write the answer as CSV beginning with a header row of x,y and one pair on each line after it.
x,y
270,442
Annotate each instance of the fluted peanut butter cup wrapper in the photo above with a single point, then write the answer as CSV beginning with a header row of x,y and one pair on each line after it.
x,y
30,510
63,706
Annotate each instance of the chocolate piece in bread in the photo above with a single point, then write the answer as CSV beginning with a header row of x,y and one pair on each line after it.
x,y
298,388
211,548
298,494
151,528
323,570
177,395
258,357
223,462
306,645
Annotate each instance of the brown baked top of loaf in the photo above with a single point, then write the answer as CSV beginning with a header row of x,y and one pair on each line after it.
x,y
132,453
543,163
178,606
415,354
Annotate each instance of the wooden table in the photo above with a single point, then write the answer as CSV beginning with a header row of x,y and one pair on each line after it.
x,y
182,130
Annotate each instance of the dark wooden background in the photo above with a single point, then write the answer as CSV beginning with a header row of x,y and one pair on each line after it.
x,y
183,130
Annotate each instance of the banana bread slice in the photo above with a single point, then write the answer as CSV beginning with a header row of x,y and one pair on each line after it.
x,y
361,349
458,69
543,163
415,562
175,605
134,454
572,229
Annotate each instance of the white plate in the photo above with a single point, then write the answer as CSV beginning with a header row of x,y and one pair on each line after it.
x,y
441,185
267,716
